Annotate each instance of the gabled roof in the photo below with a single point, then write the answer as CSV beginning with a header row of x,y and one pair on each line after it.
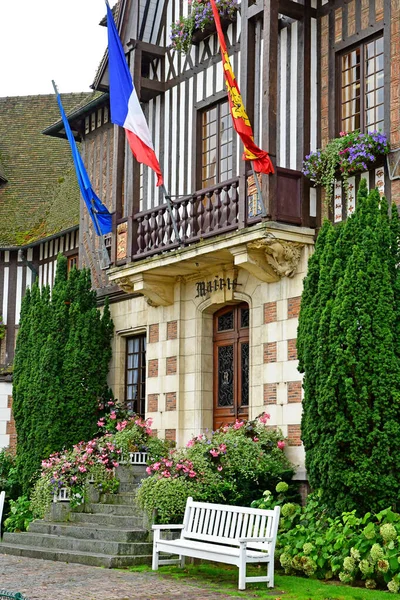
x,y
40,196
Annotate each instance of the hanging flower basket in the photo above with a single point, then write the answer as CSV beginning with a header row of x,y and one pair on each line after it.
x,y
200,23
344,156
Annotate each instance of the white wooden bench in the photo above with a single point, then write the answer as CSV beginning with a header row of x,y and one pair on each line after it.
x,y
233,535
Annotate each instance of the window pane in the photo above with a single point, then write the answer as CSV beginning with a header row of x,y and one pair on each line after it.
x,y
216,144
134,375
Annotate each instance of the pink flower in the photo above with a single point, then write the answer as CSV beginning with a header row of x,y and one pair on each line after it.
x,y
192,474
156,466
121,426
100,423
115,464
113,415
281,445
238,424
166,474
222,448
82,469
219,468
149,422
74,478
148,470
110,403
214,453
342,133
190,444
255,439
168,463
89,451
264,418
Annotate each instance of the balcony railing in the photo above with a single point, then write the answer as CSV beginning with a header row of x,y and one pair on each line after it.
x,y
207,213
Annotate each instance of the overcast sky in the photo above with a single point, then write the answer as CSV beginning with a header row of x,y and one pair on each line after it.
x,y
41,40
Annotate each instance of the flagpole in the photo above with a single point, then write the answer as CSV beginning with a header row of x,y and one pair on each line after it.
x,y
169,208
263,210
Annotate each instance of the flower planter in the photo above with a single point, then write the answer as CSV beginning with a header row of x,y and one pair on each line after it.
x,y
200,35
134,458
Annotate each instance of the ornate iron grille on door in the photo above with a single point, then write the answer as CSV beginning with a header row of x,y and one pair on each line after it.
x,y
231,364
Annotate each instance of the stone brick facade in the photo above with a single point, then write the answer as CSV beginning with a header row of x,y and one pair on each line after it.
x,y
171,365
270,352
154,333
172,330
153,368
170,401
270,312
269,393
152,402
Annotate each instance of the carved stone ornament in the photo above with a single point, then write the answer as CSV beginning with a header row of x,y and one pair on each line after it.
x,y
126,284
282,256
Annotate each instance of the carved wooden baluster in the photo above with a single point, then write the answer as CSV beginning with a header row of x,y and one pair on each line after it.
x,y
217,209
147,237
176,209
184,219
140,235
153,230
193,224
234,203
168,228
209,216
226,203
200,213
161,227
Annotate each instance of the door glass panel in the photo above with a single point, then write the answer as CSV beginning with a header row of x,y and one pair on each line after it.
x,y
225,376
244,317
225,322
245,373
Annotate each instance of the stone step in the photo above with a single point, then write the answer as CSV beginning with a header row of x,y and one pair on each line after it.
x,y
126,486
117,521
57,542
89,531
120,498
121,510
83,558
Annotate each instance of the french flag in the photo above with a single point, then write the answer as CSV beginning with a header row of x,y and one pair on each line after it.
x,y
124,103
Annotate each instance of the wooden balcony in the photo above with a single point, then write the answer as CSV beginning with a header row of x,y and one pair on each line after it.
x,y
208,213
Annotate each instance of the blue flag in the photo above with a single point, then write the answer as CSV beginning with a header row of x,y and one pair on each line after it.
x,y
102,219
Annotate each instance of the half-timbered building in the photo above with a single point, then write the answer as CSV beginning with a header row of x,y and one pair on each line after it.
x,y
205,300
39,218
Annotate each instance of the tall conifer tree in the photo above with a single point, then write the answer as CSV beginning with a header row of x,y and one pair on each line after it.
x,y
351,362
61,366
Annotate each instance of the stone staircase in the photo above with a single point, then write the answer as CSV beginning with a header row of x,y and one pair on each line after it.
x,y
109,532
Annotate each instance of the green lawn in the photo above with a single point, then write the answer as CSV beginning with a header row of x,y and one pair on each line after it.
x,y
224,579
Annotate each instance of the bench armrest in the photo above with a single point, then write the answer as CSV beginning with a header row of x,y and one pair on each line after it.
x,y
254,539
167,527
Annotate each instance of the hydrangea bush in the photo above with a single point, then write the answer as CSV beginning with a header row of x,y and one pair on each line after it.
x,y
200,16
231,465
356,550
349,153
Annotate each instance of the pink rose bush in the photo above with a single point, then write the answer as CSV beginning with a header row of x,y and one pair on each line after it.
x,y
231,465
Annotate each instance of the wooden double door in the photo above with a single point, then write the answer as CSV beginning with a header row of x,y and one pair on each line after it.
x,y
231,364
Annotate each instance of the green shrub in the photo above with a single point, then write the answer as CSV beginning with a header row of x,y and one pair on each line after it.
x,y
348,348
231,465
9,482
20,515
363,550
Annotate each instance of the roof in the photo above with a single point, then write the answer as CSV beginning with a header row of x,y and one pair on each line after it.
x,y
40,195
93,101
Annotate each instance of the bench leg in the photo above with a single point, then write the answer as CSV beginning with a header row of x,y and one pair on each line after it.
x,y
182,561
270,573
242,572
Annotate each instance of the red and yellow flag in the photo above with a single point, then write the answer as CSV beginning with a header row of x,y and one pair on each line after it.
x,y
261,160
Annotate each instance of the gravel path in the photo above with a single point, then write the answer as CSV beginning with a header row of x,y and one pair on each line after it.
x,y
46,580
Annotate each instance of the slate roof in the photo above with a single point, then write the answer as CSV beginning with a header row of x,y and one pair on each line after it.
x,y
40,196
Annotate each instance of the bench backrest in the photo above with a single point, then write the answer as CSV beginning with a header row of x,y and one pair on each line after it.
x,y
220,523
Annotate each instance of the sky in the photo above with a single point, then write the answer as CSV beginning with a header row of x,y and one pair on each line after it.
x,y
41,40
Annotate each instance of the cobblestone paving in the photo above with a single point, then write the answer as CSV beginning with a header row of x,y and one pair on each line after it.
x,y
46,580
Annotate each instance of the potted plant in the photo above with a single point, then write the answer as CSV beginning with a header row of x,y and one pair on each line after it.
x,y
200,22
348,154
